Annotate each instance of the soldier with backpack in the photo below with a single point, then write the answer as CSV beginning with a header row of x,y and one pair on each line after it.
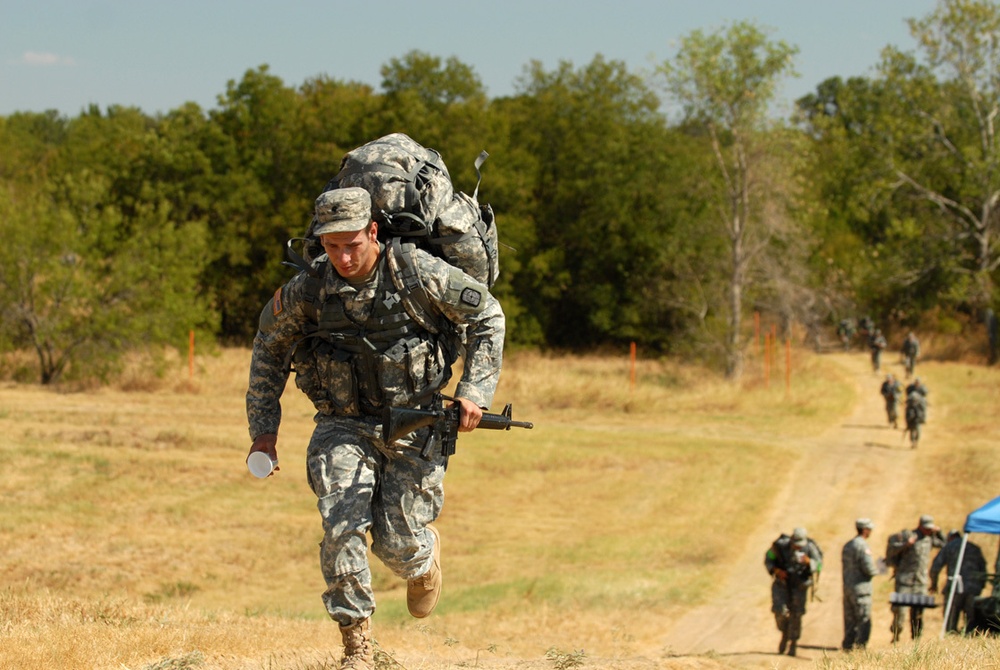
x,y
916,411
794,562
891,390
369,325
908,552
910,350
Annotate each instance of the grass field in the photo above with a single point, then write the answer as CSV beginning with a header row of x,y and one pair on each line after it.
x,y
133,537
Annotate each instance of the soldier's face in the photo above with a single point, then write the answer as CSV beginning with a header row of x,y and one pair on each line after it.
x,y
352,254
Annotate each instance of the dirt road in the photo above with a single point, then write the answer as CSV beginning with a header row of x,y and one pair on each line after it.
x,y
842,475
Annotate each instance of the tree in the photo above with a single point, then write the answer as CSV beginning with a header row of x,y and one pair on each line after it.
x,y
82,293
941,134
725,82
593,152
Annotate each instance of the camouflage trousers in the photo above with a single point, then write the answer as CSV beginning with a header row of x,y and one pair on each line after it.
x,y
901,613
788,603
857,619
363,487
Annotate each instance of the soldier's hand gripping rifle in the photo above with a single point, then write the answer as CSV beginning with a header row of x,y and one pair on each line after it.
x,y
398,421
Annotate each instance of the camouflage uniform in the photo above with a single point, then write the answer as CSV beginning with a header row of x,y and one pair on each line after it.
x,y
355,351
972,578
912,563
891,389
792,562
859,568
911,350
877,343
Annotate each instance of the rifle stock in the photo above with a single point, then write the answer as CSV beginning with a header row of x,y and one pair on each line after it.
x,y
399,421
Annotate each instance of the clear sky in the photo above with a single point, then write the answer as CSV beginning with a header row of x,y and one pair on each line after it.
x,y
159,54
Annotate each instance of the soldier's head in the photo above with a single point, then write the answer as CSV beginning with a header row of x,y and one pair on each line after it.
x,y
864,526
346,230
889,378
799,537
927,525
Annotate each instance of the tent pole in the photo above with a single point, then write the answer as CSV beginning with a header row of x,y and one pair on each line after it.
x,y
954,584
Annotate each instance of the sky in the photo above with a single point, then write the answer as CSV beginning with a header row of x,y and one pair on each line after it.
x,y
159,54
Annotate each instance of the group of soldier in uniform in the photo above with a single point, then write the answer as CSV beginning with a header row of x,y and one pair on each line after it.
x,y
795,562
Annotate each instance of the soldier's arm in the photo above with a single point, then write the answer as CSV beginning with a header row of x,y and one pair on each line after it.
x,y
279,328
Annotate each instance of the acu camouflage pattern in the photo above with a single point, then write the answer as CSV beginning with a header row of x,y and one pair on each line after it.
x,y
912,564
404,176
789,596
859,568
336,379
363,485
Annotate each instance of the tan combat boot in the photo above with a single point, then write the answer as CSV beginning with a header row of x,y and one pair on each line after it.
x,y
423,592
359,649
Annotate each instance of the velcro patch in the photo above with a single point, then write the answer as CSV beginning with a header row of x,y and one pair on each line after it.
x,y
276,304
471,297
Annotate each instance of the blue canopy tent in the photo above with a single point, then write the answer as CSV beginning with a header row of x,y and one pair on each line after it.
x,y
986,519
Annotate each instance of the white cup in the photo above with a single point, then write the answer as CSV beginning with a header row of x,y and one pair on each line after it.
x,y
260,464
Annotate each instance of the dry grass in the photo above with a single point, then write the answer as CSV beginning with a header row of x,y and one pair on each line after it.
x,y
134,538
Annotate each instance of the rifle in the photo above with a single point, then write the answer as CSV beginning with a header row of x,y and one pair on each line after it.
x,y
398,421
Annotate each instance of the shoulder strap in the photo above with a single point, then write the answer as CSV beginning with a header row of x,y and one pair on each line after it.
x,y
412,293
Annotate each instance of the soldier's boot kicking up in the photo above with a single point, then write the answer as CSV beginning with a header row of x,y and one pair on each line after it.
x,y
359,649
423,592
784,642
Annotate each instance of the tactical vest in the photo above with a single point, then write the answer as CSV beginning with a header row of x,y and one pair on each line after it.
x,y
349,368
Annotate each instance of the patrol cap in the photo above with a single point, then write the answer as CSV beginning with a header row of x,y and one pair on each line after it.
x,y
863,523
343,210
799,536
927,521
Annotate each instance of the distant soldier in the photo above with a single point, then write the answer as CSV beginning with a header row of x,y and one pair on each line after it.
x,y
877,343
911,349
909,553
916,411
845,331
859,568
793,562
866,326
916,386
891,390
970,580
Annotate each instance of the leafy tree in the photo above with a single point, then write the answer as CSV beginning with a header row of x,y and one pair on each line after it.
x,y
725,82
942,131
592,151
82,293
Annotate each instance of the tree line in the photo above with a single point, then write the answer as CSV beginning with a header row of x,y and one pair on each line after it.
x,y
618,221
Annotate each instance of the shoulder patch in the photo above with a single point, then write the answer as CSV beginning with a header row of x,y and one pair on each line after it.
x,y
471,297
276,304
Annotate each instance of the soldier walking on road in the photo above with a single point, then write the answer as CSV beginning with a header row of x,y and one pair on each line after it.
x,y
891,390
877,343
916,411
911,349
859,568
909,553
793,562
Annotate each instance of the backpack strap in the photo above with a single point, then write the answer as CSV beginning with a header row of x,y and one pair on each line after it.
x,y
413,294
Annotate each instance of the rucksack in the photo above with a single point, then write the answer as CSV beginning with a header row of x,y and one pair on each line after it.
x,y
416,206
413,200
894,548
